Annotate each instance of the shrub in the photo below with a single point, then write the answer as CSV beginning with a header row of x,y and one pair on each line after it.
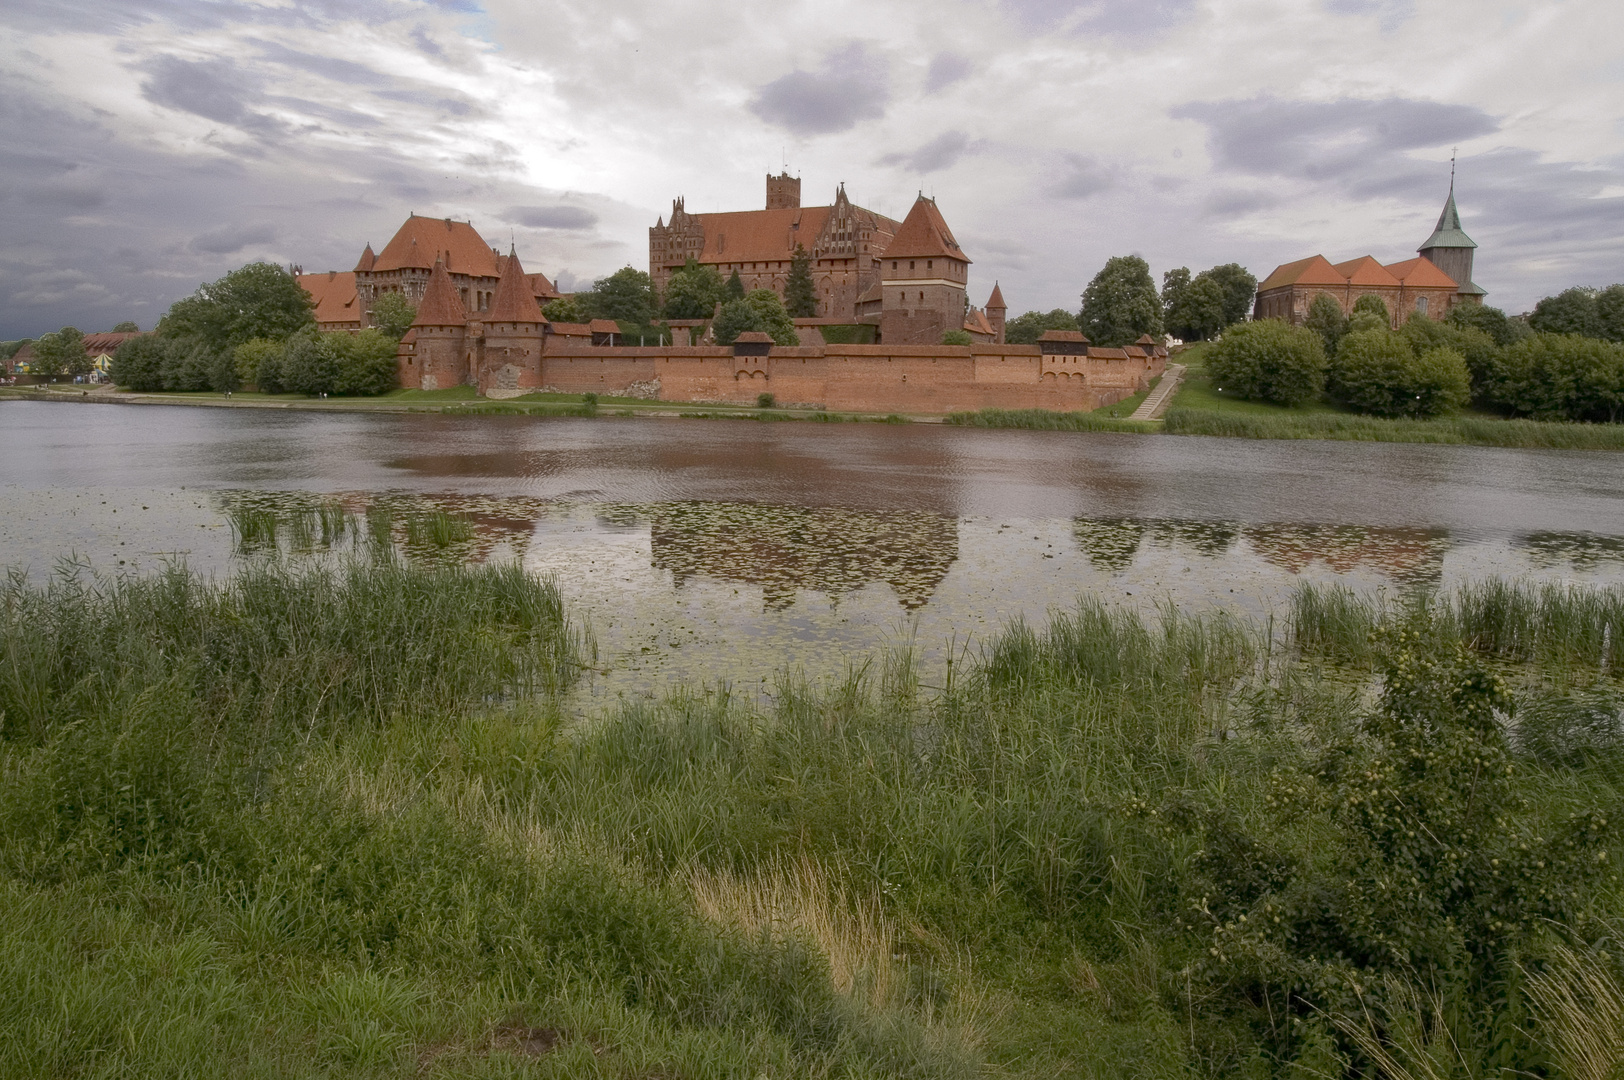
x,y
1269,360
766,401
1476,347
1376,371
956,337
1373,305
1562,377
366,362
1325,318
1491,320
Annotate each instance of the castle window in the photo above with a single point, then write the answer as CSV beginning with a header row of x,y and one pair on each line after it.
x,y
910,264
893,264
930,264
1421,304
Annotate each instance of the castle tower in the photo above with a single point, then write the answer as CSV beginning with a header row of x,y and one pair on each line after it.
x,y
1451,250
922,280
783,191
996,310
433,354
511,357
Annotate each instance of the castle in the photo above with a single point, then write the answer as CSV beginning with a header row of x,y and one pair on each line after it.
x,y
1429,285
908,279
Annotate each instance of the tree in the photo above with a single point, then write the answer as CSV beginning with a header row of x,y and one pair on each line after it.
x,y
1200,311
366,362
627,295
957,337
1325,318
735,318
1371,304
800,299
126,327
1482,355
392,314
693,292
1610,312
1269,360
1026,329
1377,371
565,310
1571,311
734,287
257,300
1121,304
61,351
775,321
1491,320
1562,377
1238,287
310,364
1175,284
258,362
139,363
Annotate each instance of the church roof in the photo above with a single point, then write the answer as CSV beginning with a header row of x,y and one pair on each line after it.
x,y
515,300
1316,270
996,300
367,260
925,233
1365,270
1420,273
440,306
333,295
1448,233
422,240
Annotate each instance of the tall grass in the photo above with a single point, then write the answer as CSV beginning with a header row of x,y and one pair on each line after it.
x,y
1477,431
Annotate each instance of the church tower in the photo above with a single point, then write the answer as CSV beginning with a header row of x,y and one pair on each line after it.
x,y
1451,250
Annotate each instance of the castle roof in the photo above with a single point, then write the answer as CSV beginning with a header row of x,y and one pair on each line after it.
x,y
1063,335
106,344
367,260
440,306
1421,273
1448,233
423,240
976,322
925,233
603,326
1315,270
541,288
996,300
1366,271
333,295
515,300
570,329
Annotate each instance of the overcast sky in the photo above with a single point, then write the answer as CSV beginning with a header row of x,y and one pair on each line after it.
x,y
148,146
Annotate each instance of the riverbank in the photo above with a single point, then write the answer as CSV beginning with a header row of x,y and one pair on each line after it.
x,y
283,838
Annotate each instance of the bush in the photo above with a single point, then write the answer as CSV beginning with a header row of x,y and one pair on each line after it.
x,y
1481,354
1491,320
1372,304
366,363
1377,371
956,337
139,363
1269,360
1325,318
1561,377
735,318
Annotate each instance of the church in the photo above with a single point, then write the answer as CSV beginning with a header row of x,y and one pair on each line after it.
x,y
1430,285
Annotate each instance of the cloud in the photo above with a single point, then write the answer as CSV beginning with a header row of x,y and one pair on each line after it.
x,y
212,89
1133,18
1390,14
946,68
568,218
940,153
1358,143
852,85
230,239
1237,202
1083,178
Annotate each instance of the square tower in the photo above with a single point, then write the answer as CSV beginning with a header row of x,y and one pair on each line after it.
x,y
783,191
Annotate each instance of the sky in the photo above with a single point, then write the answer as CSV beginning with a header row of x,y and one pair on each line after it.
x,y
147,147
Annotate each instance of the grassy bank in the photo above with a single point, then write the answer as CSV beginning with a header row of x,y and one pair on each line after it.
x,y
320,823
1045,420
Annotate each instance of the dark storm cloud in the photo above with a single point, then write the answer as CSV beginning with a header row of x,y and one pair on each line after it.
x,y
571,218
1359,144
940,153
217,90
946,68
851,85
1233,202
232,238
1082,178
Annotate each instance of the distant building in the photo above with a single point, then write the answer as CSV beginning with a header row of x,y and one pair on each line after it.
x,y
1429,285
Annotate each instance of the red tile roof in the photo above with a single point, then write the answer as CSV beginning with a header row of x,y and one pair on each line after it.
x,y
1421,273
333,294
924,233
1062,335
760,235
367,260
422,240
440,306
515,300
604,326
105,344
542,289
1316,270
996,300
977,323
1366,271
571,329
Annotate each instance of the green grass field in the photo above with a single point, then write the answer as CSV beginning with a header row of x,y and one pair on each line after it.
x,y
320,823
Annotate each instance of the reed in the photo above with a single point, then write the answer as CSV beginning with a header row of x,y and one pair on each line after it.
x,y
1046,420
1478,431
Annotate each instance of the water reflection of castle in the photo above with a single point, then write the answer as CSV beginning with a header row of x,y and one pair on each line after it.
x,y
785,549
1408,556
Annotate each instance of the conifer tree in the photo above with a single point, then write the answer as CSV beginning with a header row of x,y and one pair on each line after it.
x,y
734,287
800,300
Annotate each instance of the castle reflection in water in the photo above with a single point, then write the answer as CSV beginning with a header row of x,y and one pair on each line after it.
x,y
785,550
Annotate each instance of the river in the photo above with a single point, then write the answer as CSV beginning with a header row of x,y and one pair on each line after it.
x,y
732,551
